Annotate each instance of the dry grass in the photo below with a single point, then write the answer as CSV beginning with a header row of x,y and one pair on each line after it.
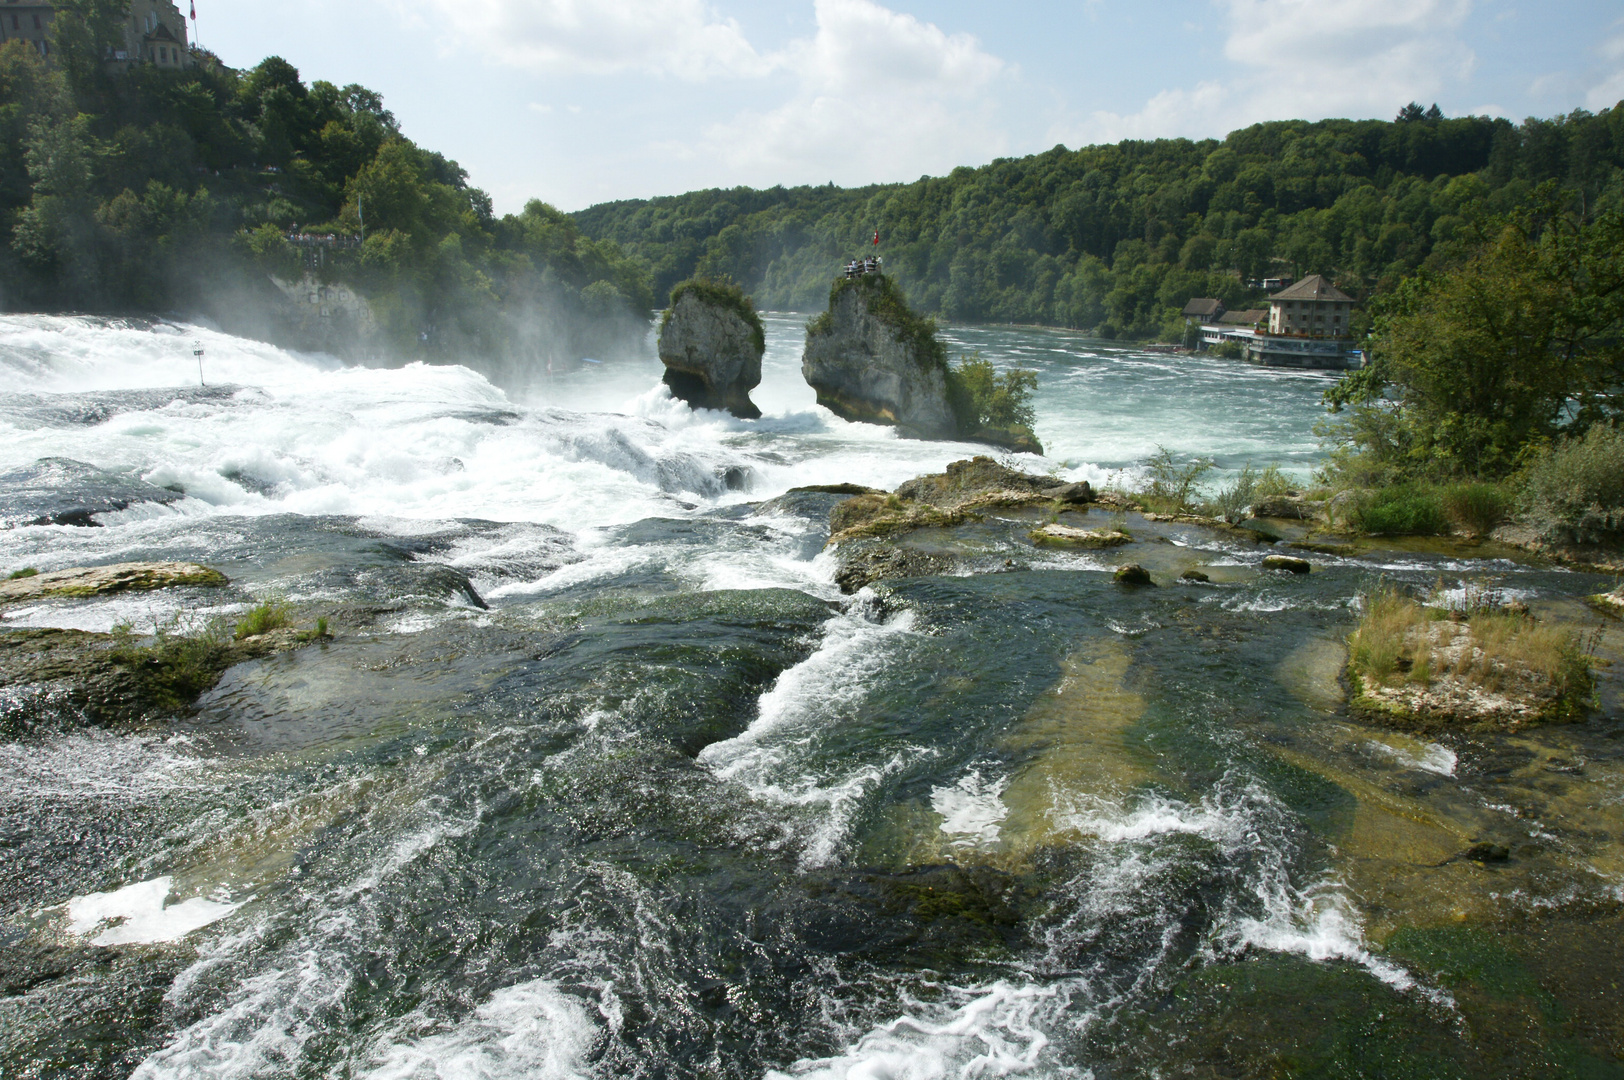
x,y
1487,647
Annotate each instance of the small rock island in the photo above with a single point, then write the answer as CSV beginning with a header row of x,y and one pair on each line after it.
x,y
711,343
872,360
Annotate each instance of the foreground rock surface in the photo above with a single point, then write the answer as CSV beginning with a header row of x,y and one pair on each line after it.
x,y
105,580
711,351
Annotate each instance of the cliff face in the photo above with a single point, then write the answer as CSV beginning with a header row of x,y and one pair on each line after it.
x,y
711,352
872,360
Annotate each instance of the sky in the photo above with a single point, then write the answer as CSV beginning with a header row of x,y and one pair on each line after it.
x,y
577,102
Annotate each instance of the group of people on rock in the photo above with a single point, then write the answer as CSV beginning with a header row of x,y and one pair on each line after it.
x,y
858,267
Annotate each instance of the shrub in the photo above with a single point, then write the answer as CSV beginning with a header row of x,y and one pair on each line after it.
x,y
1227,350
1272,483
1401,510
1475,508
1574,491
1234,503
1172,486
983,398
271,615
26,572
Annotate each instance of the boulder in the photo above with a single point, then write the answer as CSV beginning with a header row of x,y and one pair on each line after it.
x,y
102,580
1066,536
1287,563
711,343
1071,494
872,360
1195,576
1291,507
1132,574
945,498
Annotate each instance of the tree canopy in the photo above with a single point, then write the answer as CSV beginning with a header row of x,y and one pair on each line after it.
x,y
156,190
1117,238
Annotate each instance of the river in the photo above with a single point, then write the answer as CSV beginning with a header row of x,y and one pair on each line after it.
x,y
669,805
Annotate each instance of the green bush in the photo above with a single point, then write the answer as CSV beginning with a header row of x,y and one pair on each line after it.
x,y
1401,510
1227,350
1475,508
983,398
1574,491
23,573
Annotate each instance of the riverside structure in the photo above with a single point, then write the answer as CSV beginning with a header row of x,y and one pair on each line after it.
x,y
1309,326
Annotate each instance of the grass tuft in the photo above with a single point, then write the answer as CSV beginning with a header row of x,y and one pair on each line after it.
x,y
262,619
26,572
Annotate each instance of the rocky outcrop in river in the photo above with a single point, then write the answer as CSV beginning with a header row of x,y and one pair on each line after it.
x,y
711,343
872,360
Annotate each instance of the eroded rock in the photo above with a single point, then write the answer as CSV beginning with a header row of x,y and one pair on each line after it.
x,y
1288,563
105,580
711,343
1056,535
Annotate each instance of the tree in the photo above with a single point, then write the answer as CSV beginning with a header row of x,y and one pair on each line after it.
x,y
1523,342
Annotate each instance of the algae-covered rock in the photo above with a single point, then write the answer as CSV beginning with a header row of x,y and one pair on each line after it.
x,y
104,580
1288,563
711,343
1195,577
1056,535
1132,574
862,568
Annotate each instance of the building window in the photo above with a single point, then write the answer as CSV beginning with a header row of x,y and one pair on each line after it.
x,y
37,23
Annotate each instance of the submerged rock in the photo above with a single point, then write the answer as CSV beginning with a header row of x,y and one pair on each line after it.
x,y
878,564
118,679
61,491
871,359
1195,576
103,580
711,343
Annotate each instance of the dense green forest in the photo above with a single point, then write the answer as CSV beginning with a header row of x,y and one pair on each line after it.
x,y
1117,238
154,190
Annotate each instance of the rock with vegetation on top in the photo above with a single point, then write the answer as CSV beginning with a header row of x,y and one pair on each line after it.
x,y
1056,535
102,580
1195,577
947,498
1425,669
711,343
872,359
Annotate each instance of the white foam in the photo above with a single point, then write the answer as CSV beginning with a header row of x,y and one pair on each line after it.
x,y
532,1031
138,915
775,758
1425,756
972,810
997,1031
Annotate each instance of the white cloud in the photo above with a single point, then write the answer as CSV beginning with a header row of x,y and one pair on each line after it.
x,y
1309,59
1610,91
879,95
686,39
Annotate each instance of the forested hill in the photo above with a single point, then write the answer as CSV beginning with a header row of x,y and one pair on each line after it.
x,y
151,190
1119,237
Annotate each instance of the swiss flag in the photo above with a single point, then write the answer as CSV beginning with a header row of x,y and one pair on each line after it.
x,y
194,10
876,238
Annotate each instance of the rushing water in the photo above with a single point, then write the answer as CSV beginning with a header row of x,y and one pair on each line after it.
x,y
667,804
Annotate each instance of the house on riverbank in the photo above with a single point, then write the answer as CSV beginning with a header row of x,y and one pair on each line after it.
x,y
1307,325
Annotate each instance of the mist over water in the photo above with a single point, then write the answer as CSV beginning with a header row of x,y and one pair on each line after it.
x,y
604,776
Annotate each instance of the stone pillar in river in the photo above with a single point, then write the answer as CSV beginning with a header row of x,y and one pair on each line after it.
x,y
711,342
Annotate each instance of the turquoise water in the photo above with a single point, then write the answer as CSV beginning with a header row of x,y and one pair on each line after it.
x,y
670,805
